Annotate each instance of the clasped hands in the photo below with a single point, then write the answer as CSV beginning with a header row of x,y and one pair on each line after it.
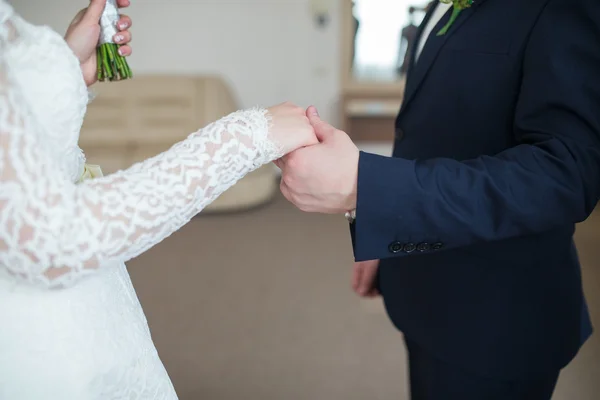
x,y
320,168
320,173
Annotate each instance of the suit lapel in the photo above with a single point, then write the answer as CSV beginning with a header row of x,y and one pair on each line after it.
x,y
432,48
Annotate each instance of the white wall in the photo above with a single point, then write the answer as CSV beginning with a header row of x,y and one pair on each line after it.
x,y
269,50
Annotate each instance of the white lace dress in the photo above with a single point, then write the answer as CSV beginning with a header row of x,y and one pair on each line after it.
x,y
71,326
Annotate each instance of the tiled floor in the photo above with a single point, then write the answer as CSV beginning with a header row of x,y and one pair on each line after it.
x,y
257,306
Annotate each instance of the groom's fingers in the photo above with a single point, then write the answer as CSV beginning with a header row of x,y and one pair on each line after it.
x,y
123,3
356,277
285,191
323,130
368,273
373,293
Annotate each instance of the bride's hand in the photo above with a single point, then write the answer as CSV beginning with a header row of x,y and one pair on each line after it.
x,y
290,127
84,33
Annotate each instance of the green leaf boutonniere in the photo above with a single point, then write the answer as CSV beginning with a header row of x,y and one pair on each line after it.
x,y
458,6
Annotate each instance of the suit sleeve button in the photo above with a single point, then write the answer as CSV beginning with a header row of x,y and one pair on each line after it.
x,y
423,247
409,247
437,246
396,247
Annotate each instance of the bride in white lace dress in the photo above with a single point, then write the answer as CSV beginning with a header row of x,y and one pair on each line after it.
x,y
71,326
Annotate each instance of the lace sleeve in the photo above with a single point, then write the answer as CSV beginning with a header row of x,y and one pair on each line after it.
x,y
53,231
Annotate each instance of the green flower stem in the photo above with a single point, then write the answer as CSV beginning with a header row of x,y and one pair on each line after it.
x,y
111,65
455,13
105,63
458,6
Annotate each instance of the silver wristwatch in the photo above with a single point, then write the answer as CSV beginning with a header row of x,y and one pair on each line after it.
x,y
350,216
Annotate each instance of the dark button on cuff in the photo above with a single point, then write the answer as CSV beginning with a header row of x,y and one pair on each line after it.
x,y
409,247
423,247
437,246
395,247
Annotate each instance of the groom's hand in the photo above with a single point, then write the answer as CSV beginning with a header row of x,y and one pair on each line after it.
x,y
364,277
322,178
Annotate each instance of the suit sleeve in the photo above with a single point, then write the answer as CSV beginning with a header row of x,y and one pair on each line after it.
x,y
551,179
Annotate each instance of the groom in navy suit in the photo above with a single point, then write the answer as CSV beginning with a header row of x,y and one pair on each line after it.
x,y
496,158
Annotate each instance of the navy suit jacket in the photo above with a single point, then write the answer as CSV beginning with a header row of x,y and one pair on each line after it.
x,y
496,158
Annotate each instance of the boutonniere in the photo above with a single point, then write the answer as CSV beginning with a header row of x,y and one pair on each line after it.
x,y
457,7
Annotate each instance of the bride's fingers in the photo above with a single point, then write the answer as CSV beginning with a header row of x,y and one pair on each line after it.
x,y
122,37
124,22
280,162
123,3
125,51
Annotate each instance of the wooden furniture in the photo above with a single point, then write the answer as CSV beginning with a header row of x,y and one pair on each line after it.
x,y
369,111
133,120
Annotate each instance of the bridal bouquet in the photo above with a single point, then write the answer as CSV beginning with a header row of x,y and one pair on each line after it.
x,y
111,65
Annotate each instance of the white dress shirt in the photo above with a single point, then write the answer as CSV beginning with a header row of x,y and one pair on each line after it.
x,y
438,13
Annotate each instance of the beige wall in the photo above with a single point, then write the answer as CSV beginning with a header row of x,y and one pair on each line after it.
x,y
269,50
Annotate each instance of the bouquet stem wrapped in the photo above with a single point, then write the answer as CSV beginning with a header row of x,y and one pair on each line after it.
x,y
111,65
